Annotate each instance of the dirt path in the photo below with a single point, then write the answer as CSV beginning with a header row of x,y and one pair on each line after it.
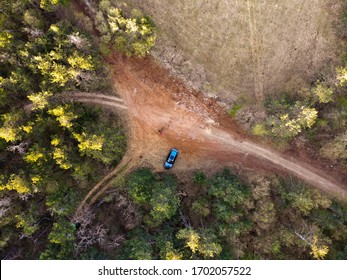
x,y
301,170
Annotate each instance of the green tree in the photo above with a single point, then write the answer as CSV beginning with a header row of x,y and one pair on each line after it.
x,y
61,240
336,148
227,188
138,246
209,246
265,215
34,19
62,232
287,117
28,221
201,207
301,197
200,178
140,185
164,203
63,201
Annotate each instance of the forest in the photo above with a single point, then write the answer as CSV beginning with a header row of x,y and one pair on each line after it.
x,y
54,150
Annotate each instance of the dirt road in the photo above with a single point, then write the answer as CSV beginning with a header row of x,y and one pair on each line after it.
x,y
163,113
313,176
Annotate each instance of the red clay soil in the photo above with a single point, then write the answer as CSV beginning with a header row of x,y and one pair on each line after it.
x,y
164,113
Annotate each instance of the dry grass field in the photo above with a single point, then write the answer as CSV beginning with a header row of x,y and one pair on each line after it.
x,y
244,48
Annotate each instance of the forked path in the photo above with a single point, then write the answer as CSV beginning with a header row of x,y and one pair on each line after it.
x,y
198,127
163,113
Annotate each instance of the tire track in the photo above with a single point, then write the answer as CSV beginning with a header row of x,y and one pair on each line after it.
x,y
100,187
100,102
85,97
256,44
97,98
95,95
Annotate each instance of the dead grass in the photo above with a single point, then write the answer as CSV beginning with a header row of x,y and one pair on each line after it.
x,y
248,47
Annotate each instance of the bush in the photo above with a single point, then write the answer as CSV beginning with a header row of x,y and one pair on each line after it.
x,y
233,111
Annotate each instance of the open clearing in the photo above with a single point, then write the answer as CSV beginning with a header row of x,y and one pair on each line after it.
x,y
244,48
195,125
207,139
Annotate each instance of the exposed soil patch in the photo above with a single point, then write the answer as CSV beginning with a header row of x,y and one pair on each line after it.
x,y
163,113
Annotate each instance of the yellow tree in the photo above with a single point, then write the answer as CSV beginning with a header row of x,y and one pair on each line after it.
x,y
307,117
341,76
324,93
16,183
291,124
63,115
5,39
311,235
170,253
191,237
89,142
80,62
203,242
61,158
318,251
51,5
39,100
36,155
9,131
132,35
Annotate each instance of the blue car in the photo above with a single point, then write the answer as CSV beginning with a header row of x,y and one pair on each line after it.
x,y
171,158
